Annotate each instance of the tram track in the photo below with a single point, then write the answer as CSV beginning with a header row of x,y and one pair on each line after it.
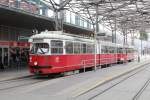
x,y
19,82
117,83
124,79
13,79
139,93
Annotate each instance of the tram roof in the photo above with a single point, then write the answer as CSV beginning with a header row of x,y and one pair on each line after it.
x,y
61,35
65,36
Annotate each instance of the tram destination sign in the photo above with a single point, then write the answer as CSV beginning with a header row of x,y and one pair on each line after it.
x,y
38,40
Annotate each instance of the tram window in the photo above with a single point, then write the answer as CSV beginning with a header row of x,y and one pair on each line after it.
x,y
56,47
69,47
108,49
132,50
112,49
90,48
120,50
93,48
129,50
40,48
76,47
126,50
103,49
83,48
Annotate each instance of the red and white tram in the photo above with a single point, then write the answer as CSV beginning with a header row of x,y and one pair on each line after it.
x,y
56,52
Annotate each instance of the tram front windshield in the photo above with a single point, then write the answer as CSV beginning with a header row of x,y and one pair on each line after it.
x,y
40,48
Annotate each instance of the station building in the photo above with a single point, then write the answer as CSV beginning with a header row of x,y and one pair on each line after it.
x,y
19,19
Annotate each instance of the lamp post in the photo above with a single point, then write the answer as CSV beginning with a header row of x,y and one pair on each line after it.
x,y
95,37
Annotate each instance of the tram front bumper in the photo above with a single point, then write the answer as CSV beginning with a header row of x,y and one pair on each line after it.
x,y
39,69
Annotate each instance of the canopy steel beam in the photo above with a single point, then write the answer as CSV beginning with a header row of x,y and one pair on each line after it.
x,y
112,12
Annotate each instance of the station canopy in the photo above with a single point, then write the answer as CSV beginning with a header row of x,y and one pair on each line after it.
x,y
119,14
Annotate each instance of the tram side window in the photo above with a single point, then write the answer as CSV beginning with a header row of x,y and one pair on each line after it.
x,y
120,50
69,47
83,48
115,49
90,48
77,47
129,50
103,49
108,49
56,47
112,50
93,48
132,50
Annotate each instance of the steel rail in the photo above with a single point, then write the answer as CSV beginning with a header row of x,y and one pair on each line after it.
x,y
139,93
16,86
19,84
138,70
15,79
93,97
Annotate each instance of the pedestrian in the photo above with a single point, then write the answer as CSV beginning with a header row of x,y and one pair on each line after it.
x,y
1,64
138,58
18,59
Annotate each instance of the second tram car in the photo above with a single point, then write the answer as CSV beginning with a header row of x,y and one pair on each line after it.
x,y
57,52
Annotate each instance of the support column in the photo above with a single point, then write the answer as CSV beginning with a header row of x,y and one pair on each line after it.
x,y
96,32
114,32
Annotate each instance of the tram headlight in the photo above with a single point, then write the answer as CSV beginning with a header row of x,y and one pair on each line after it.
x,y
35,63
121,59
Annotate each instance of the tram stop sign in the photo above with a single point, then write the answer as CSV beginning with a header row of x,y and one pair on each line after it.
x,y
99,35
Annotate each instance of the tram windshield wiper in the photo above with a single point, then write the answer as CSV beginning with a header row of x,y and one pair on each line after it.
x,y
42,52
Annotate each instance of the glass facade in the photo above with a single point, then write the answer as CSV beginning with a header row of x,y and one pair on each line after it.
x,y
38,7
12,33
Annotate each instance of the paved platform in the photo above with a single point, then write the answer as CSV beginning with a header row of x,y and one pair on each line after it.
x,y
8,74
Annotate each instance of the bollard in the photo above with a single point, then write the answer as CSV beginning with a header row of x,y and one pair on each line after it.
x,y
138,58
